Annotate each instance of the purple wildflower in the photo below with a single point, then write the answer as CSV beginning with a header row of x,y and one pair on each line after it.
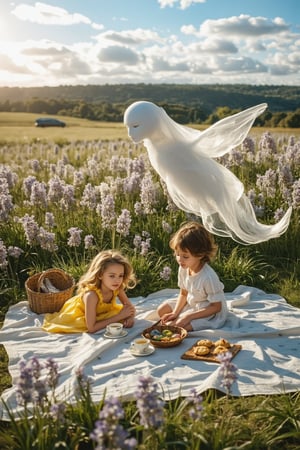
x,y
24,385
3,255
149,405
89,197
166,227
38,195
104,190
148,194
53,375
267,144
108,433
6,205
36,367
138,209
285,175
57,412
117,186
30,386
278,214
56,189
252,196
40,392
267,182
10,177
236,157
165,274
114,163
296,194
132,183
137,241
75,237
68,197
78,178
49,220
88,241
196,407
107,211
117,164
227,370
47,240
248,145
286,195
27,185
35,165
145,246
124,222
137,166
292,153
83,381
31,229
14,252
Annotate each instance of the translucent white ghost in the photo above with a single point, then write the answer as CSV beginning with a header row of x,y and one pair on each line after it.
x,y
198,184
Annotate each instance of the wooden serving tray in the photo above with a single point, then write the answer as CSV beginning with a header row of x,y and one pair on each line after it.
x,y
210,357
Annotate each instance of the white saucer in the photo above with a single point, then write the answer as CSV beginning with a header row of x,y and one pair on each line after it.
x,y
112,336
146,352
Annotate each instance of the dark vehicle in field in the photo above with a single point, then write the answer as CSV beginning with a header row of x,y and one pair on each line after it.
x,y
49,122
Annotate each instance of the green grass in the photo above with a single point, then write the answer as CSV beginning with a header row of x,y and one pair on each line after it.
x,y
19,127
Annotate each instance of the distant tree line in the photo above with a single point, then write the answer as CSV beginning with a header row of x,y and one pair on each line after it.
x,y
207,97
113,112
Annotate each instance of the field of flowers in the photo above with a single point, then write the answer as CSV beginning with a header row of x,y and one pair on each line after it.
x,y
61,202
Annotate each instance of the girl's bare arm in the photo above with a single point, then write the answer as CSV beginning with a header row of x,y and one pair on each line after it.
x,y
90,300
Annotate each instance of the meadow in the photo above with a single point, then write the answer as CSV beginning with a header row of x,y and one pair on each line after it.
x,y
67,193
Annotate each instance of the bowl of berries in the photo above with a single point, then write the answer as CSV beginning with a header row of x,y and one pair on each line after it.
x,y
165,336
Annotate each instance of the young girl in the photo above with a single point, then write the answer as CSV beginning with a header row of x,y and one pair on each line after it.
x,y
95,305
201,303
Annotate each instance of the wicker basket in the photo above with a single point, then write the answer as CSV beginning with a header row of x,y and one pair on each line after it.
x,y
165,344
41,302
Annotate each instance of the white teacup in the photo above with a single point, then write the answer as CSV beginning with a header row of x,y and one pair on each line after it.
x,y
141,344
115,329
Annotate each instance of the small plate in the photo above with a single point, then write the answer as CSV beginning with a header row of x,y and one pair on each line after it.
x,y
111,336
146,352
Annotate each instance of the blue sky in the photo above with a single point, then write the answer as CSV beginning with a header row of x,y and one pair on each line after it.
x,y
54,42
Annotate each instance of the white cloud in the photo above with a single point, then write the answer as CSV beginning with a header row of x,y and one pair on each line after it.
x,y
219,46
183,4
243,25
162,65
129,37
241,65
242,48
8,65
118,54
280,70
45,14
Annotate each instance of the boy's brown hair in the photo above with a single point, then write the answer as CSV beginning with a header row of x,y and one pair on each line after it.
x,y
192,236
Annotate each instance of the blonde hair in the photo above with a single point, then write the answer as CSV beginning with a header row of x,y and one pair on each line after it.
x,y
192,236
99,265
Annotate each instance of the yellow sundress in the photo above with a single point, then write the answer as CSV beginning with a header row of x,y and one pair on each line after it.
x,y
71,317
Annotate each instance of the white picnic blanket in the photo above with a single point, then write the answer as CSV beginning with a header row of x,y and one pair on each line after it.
x,y
266,326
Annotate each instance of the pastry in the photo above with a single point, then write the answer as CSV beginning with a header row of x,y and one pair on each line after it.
x,y
220,349
205,342
223,343
201,350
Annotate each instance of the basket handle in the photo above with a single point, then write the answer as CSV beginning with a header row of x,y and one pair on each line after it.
x,y
44,275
